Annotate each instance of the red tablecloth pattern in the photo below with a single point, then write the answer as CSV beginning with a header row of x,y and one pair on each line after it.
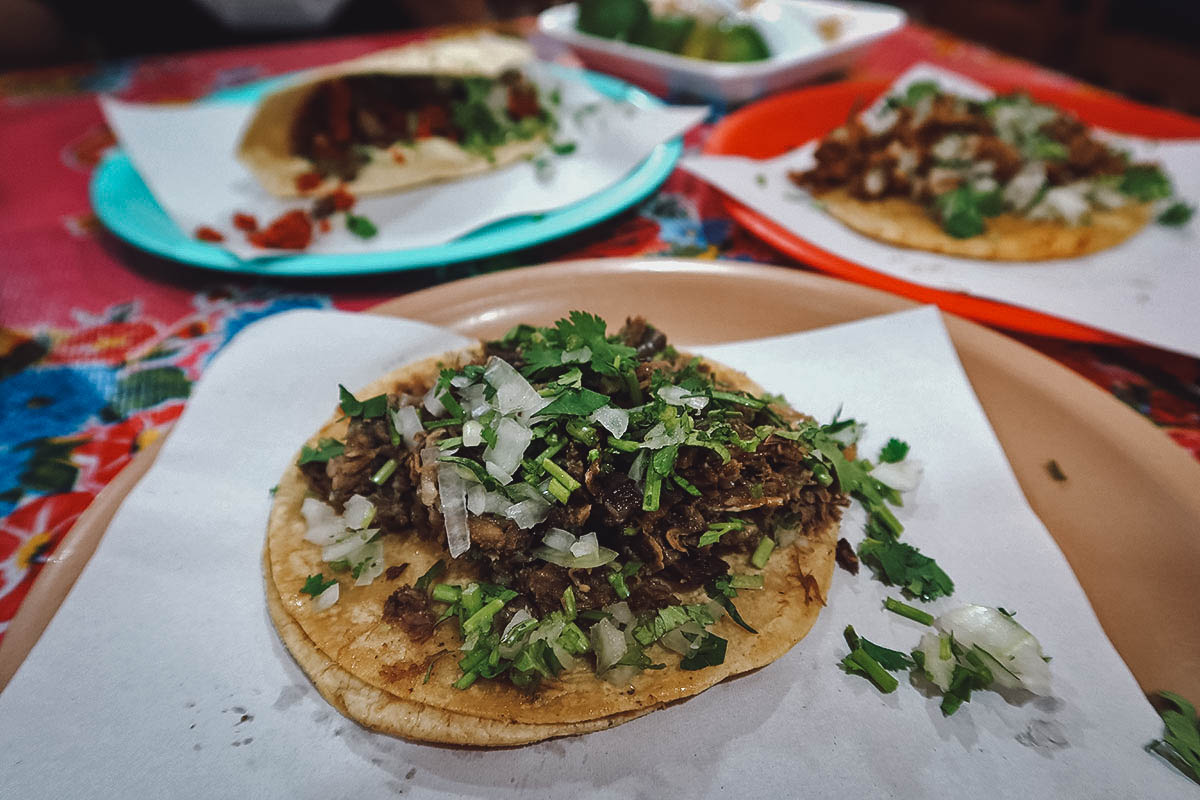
x,y
100,345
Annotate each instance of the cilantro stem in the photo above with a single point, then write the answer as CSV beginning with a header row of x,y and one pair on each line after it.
x,y
944,650
762,552
560,492
384,472
653,490
746,581
568,602
561,475
466,680
483,617
446,593
821,473
635,389
886,682
624,445
617,581
888,519
905,610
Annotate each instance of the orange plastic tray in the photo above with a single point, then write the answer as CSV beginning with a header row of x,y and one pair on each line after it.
x,y
783,122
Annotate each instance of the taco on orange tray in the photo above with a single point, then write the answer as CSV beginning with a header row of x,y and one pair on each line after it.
x,y
550,534
1006,179
435,110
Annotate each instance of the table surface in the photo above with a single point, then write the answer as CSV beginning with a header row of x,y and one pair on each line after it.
x,y
100,344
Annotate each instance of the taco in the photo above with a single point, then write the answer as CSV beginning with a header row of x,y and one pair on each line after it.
x,y
435,110
1005,179
549,534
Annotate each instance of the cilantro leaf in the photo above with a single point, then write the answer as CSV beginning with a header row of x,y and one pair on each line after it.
x,y
316,584
431,575
361,227
574,403
718,529
900,564
962,210
894,451
710,653
325,450
721,591
913,94
1180,744
367,409
1177,214
1145,182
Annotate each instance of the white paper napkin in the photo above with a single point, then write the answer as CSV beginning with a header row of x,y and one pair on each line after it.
x,y
186,157
1147,288
161,676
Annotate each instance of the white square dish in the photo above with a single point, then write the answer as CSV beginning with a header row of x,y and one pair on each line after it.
x,y
795,57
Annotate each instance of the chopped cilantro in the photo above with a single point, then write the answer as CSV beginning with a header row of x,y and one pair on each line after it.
x,y
905,610
914,93
431,575
1177,214
873,661
574,403
718,529
900,564
367,409
963,210
563,148
723,591
710,653
325,450
316,584
360,226
894,451
1145,182
1180,744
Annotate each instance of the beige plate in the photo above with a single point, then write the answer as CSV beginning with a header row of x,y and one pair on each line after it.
x,y
1128,517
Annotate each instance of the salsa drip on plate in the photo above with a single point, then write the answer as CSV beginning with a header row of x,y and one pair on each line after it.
x,y
610,493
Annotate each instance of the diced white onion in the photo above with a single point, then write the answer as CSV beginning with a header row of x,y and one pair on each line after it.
x,y
1017,655
324,525
527,513
369,563
558,539
621,613
937,669
600,558
608,642
503,477
526,492
903,476
460,381
1106,196
580,356
472,433
512,438
587,545
658,437
614,420
1062,202
1025,185
521,616
679,396
514,394
453,493
474,400
408,422
327,598
432,404
638,468
359,512
348,544
476,498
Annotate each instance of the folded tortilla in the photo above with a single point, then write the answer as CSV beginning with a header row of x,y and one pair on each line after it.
x,y
376,674
1008,237
266,144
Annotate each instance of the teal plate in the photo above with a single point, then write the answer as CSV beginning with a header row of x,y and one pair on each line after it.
x,y
127,208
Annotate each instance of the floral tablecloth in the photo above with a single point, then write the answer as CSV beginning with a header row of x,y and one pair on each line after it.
x,y
100,344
